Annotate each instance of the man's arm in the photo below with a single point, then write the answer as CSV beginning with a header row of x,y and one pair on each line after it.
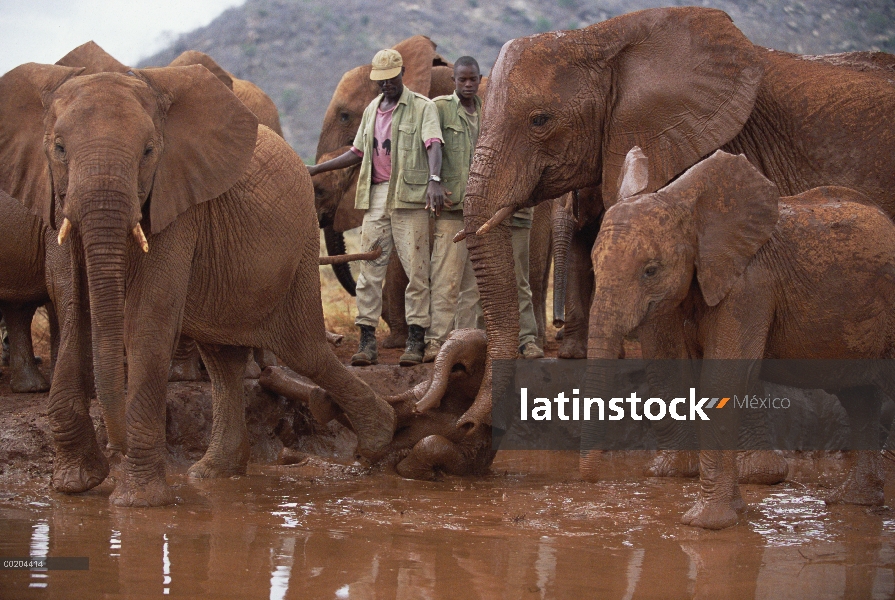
x,y
435,194
348,159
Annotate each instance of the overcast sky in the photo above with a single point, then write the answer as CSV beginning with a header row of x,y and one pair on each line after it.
x,y
45,30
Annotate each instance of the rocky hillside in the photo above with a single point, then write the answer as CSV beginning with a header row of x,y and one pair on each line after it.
x,y
297,50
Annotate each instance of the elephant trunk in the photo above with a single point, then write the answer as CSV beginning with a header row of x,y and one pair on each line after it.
x,y
104,236
564,226
335,246
492,259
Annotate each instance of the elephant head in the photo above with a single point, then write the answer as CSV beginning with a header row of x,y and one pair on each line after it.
x,y
708,224
94,60
562,110
121,155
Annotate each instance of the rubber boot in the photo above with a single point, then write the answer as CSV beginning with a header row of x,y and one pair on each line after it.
x,y
416,346
366,352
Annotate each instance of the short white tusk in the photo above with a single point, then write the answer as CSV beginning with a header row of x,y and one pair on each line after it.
x,y
461,235
499,216
64,231
137,231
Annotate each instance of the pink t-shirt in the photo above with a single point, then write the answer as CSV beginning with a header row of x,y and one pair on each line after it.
x,y
382,145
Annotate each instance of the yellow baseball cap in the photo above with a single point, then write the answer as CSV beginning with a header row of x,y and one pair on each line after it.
x,y
386,64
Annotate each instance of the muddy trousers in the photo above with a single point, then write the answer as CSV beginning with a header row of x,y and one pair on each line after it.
x,y
448,279
405,231
469,308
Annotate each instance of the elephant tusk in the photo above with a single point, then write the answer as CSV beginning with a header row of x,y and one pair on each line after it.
x,y
138,234
64,231
460,236
499,216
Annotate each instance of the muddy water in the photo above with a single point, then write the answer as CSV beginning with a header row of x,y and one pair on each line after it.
x,y
531,530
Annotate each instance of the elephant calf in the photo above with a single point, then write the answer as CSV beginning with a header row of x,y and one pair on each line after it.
x,y
716,265
427,439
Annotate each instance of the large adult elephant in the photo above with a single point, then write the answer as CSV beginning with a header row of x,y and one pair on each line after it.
x,y
563,109
174,153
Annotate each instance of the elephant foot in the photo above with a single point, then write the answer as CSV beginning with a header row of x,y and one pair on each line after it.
x,y
28,381
589,465
374,429
674,463
211,468
572,348
395,340
864,484
253,371
156,492
714,514
766,467
72,475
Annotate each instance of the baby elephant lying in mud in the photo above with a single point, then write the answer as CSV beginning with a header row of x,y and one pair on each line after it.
x,y
716,265
426,439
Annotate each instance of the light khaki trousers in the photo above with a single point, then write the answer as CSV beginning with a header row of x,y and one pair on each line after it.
x,y
449,280
406,231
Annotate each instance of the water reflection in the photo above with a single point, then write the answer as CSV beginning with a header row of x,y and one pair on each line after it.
x,y
520,535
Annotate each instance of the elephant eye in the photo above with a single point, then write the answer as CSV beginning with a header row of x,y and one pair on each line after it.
x,y
147,152
60,149
344,117
651,271
540,120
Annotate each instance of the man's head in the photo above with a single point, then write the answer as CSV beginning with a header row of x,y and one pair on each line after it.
x,y
466,77
388,73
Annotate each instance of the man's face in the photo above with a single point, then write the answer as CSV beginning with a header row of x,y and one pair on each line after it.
x,y
394,87
466,81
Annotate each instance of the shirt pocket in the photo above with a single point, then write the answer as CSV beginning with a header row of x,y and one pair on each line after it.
x,y
407,133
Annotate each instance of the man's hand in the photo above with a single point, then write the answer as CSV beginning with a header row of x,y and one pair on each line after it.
x,y
436,197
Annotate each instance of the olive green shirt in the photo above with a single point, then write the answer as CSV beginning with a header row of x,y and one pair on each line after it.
x,y
461,132
414,121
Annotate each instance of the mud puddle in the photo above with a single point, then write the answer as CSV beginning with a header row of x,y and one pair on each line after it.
x,y
532,529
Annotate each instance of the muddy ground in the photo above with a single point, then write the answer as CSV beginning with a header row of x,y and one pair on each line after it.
x,y
327,528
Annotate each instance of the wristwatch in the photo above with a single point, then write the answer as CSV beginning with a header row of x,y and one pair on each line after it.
x,y
435,178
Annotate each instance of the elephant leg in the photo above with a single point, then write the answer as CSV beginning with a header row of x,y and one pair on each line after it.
x,y
755,464
185,363
393,303
78,464
431,454
540,253
719,499
25,376
228,450
579,290
864,483
53,318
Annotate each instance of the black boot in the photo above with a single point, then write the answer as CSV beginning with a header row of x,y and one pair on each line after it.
x,y
366,352
416,346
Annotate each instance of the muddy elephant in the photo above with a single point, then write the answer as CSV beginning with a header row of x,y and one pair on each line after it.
x,y
563,109
716,265
171,153
250,94
426,440
23,289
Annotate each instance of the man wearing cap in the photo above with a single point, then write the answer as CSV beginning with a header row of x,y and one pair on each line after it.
x,y
398,146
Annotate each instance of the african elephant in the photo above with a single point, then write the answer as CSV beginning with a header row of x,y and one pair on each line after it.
x,y
250,94
23,289
174,153
426,440
716,265
563,109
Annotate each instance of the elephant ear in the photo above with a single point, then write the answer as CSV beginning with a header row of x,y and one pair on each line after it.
x,y
684,83
94,60
419,56
735,210
25,92
208,140
194,57
634,176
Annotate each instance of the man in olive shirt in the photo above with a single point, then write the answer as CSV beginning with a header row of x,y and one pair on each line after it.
x,y
454,291
398,146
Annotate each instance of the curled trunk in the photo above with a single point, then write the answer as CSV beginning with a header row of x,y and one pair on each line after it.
x,y
335,246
